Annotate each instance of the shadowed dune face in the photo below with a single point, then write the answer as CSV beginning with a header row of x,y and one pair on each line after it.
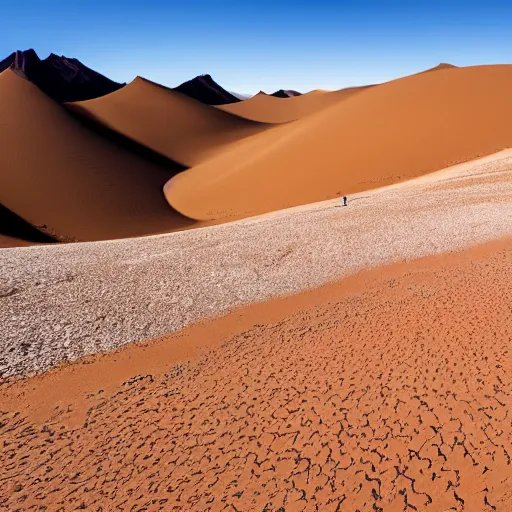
x,y
167,121
389,133
267,108
68,181
14,231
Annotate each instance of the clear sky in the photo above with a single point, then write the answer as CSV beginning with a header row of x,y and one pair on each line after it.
x,y
251,45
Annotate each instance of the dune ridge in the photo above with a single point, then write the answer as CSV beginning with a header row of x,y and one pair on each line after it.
x,y
440,66
69,182
168,122
267,108
389,133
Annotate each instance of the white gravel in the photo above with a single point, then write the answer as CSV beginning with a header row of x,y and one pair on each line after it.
x,y
59,303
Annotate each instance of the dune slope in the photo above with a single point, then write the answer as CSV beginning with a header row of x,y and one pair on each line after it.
x,y
167,121
69,182
15,231
398,130
268,108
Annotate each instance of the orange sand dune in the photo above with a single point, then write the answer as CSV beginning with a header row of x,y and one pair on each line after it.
x,y
269,109
398,130
442,65
68,181
167,122
389,391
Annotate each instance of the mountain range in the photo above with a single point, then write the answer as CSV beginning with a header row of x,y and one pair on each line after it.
x,y
61,78
67,80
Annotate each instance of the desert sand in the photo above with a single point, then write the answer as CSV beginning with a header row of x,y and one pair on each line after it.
x,y
99,296
168,122
387,391
384,134
15,231
69,182
266,108
147,159
290,354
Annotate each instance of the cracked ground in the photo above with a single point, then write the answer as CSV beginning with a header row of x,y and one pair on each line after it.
x,y
390,391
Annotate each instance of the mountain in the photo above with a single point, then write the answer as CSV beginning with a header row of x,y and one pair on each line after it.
x,y
204,89
282,93
61,78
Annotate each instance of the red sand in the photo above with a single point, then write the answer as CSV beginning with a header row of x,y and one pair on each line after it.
x,y
387,391
168,122
67,180
10,241
385,134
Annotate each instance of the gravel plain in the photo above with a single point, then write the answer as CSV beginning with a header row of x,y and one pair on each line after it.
x,y
59,303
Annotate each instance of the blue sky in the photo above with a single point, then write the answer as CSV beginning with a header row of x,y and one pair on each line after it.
x,y
251,45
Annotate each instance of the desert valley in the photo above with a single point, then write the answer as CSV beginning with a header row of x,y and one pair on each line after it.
x,y
192,319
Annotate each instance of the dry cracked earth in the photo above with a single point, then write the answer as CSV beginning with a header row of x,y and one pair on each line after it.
x,y
393,395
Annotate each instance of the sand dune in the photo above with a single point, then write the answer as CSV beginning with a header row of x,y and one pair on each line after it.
x,y
179,278
167,121
68,181
439,67
266,108
398,130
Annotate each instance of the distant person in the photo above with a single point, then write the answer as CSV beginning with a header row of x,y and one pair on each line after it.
x,y
345,200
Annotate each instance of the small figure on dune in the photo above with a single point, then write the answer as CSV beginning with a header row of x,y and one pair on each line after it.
x,y
345,200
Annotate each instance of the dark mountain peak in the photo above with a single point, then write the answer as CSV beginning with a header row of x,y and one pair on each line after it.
x,y
205,89
24,63
285,93
60,77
